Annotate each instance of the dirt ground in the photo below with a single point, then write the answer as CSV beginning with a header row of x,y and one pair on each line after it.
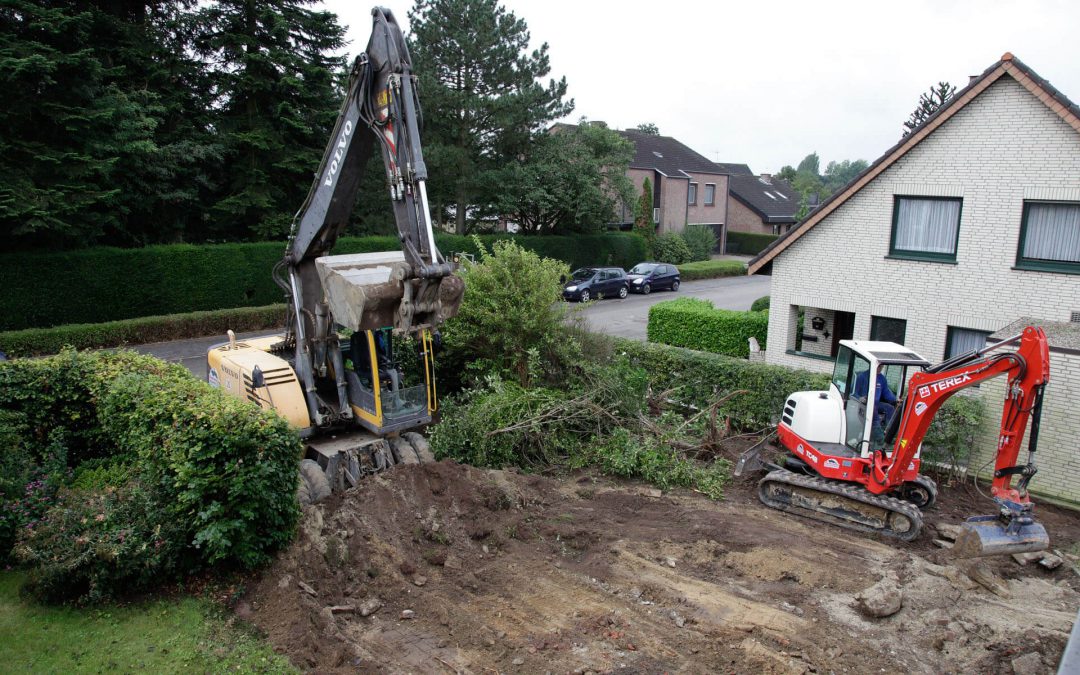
x,y
476,571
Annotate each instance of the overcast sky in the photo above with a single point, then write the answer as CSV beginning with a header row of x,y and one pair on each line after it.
x,y
766,83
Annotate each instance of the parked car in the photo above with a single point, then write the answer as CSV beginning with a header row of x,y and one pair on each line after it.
x,y
647,277
596,282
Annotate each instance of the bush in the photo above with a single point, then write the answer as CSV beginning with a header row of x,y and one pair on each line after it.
x,y
951,435
748,243
107,284
711,269
40,341
700,240
671,248
760,305
696,324
699,379
205,478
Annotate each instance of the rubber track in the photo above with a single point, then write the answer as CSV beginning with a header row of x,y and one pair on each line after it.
x,y
850,491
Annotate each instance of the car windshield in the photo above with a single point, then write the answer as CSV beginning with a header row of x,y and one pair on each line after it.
x,y
643,268
583,274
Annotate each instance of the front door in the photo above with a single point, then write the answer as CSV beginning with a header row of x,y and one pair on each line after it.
x,y
843,329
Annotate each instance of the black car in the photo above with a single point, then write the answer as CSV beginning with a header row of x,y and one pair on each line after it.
x,y
596,282
647,277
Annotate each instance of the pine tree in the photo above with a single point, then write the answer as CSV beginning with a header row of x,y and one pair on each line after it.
x,y
643,223
929,102
482,97
279,84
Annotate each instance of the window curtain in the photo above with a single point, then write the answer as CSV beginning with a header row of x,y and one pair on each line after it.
x,y
927,225
1053,232
963,341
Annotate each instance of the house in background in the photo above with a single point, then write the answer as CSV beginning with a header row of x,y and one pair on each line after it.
x,y
968,226
761,204
687,187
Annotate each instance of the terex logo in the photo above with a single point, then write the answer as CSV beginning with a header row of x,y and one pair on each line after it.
x,y
339,152
942,385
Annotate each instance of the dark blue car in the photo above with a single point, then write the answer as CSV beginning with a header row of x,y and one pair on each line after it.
x,y
647,277
588,283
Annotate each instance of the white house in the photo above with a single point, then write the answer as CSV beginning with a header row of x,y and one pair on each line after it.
x,y
961,229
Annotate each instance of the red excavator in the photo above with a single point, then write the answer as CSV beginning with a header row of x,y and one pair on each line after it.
x,y
853,464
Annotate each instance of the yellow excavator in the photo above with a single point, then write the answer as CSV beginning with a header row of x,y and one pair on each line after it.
x,y
334,373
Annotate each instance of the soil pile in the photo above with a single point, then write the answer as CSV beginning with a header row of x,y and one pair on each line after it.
x,y
447,568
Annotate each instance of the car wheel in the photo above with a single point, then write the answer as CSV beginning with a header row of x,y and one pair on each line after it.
x,y
675,285
584,296
646,289
622,292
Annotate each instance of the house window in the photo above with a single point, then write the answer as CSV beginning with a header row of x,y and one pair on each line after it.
x,y
691,196
1050,237
710,194
888,330
925,228
963,340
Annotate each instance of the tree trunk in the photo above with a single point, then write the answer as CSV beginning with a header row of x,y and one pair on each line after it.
x,y
459,226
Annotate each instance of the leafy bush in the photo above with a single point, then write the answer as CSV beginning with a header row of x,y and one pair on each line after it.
x,y
711,269
107,284
700,241
40,341
760,305
695,324
671,248
203,478
951,435
748,243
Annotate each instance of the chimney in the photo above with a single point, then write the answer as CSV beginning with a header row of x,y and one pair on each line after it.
x,y
767,177
972,78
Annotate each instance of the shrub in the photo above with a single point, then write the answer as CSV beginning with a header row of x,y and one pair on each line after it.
x,y
40,341
107,284
695,324
700,241
203,478
760,305
748,243
711,269
671,248
951,435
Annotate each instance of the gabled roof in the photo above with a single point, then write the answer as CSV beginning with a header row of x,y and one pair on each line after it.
x,y
672,158
1008,65
771,198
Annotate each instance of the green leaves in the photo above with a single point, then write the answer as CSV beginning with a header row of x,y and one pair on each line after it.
x,y
671,248
694,323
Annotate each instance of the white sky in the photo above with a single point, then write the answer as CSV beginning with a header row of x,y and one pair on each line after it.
x,y
766,83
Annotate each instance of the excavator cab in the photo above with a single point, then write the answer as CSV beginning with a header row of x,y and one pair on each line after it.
x,y
384,395
855,384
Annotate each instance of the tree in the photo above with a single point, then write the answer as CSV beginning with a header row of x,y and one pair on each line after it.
x,y
483,100
786,173
571,180
839,174
648,128
643,222
279,84
928,103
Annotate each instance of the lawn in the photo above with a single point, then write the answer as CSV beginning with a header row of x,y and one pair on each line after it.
x,y
160,636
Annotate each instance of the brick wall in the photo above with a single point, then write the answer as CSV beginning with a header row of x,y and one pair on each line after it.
x,y
673,204
1003,147
717,213
742,219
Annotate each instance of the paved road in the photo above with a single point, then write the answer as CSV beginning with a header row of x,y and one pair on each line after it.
x,y
625,318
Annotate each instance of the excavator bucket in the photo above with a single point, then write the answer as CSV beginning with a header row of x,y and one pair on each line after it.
x,y
991,535
368,291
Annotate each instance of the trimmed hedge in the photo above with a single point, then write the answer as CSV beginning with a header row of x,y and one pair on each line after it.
x,y
107,284
700,379
711,269
207,479
748,243
760,305
39,341
695,324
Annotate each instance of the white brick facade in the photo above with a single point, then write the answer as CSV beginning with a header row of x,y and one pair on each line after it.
x,y
1001,148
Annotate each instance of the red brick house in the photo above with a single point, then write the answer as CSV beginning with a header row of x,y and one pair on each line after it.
x,y
761,204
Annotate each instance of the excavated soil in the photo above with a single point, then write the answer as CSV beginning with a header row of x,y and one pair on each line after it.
x,y
477,571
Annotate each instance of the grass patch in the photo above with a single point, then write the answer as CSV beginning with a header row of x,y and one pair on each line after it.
x,y
711,269
162,636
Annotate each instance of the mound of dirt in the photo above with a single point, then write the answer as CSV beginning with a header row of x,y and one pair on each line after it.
x,y
443,567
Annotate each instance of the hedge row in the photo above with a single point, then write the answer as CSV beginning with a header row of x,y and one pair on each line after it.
x,y
107,284
695,324
39,341
711,269
701,379
180,476
748,243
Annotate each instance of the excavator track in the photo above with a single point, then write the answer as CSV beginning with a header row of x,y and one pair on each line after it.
x,y
845,504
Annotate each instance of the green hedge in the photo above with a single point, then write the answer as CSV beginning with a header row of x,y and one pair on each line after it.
x,y
695,324
38,341
711,269
107,284
748,243
700,379
205,478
